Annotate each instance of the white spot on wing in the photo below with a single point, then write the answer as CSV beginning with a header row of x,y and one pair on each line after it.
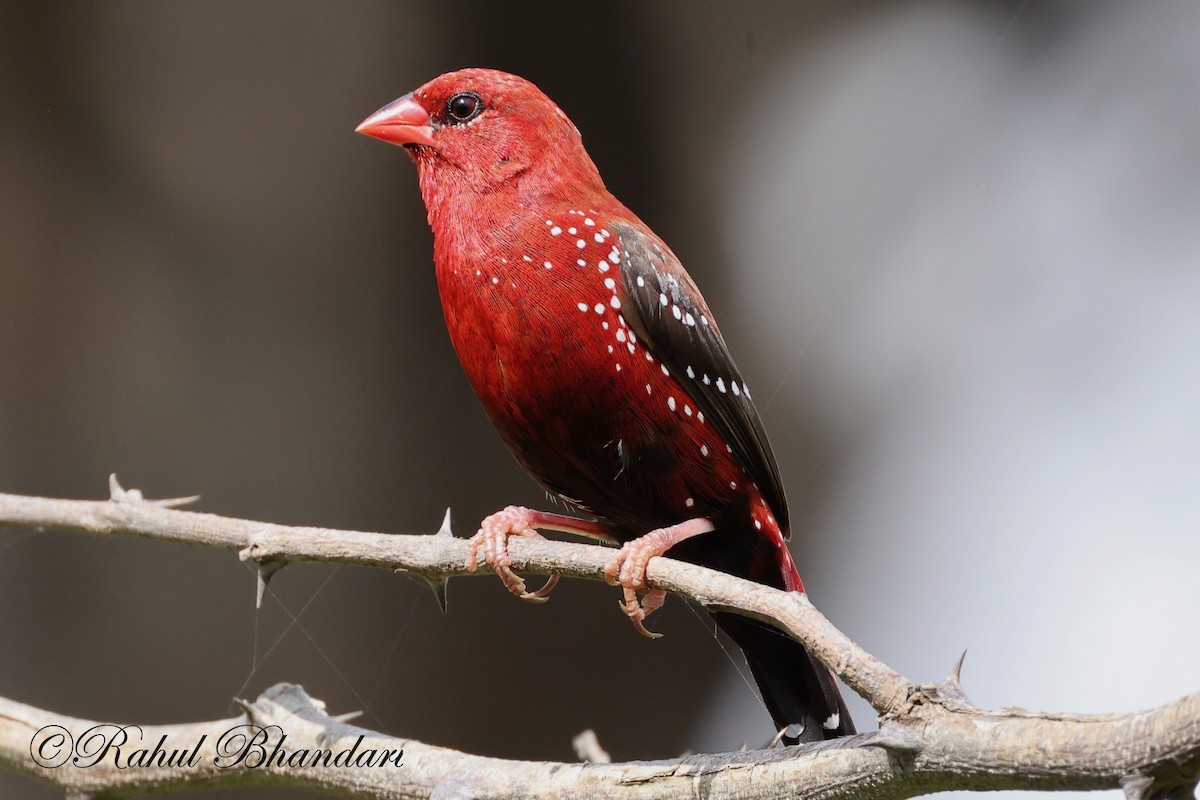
x,y
555,231
832,722
582,306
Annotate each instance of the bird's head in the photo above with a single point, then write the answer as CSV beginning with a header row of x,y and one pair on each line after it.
x,y
483,131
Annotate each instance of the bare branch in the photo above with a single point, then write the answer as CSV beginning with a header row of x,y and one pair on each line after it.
x,y
931,737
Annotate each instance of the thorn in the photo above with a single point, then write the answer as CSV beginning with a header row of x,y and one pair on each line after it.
x,y
956,672
119,494
952,686
1137,787
264,570
175,502
896,740
587,748
445,529
349,715
438,585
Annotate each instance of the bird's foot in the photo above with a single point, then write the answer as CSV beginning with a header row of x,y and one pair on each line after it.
x,y
492,540
627,569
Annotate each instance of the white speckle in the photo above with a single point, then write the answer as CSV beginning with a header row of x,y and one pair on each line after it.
x,y
610,348
610,284
649,356
604,232
555,231
618,367
746,391
648,389
664,369
582,306
620,334
691,374
736,391
671,403
580,243
705,379
703,320
721,385
504,261
495,280
478,273
549,222
589,221
700,416
514,284
641,281
757,525
689,319
615,302
631,347
729,448
662,299
599,308
547,264
572,231
621,319
527,258
733,484
691,501
632,335
703,449
602,266
599,239
834,720
614,256
687,410
581,262
604,325
772,518
676,312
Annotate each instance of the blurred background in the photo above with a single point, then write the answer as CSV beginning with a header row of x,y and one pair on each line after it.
x,y
955,247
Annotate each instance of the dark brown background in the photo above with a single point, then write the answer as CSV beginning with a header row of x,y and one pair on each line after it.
x,y
952,245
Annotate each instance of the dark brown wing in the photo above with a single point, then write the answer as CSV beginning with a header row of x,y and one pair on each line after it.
x,y
665,309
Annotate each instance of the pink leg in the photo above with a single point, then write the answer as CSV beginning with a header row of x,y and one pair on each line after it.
x,y
627,569
495,531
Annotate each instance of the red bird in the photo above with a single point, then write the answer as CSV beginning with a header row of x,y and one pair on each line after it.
x,y
601,366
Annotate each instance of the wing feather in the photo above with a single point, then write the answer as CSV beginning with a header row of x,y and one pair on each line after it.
x,y
667,312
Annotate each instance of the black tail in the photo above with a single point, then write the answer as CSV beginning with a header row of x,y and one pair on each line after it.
x,y
800,692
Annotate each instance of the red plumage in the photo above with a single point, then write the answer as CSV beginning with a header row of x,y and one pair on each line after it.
x,y
598,361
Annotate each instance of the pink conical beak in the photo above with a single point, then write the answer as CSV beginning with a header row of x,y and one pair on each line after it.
x,y
401,121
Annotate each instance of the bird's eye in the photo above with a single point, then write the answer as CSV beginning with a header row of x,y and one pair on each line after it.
x,y
463,107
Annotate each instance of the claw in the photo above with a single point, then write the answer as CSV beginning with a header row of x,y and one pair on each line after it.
x,y
543,594
492,539
627,569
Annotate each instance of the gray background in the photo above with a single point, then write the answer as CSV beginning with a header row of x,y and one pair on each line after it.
x,y
954,246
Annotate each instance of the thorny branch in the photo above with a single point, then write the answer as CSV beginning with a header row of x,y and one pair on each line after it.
x,y
931,737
